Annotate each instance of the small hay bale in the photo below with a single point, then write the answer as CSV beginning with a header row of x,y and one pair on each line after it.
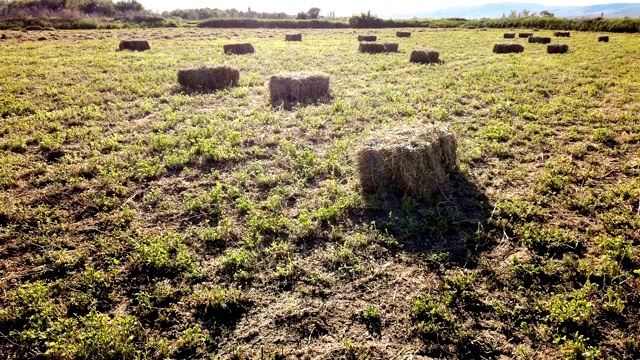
x,y
376,48
603,38
42,38
509,35
535,30
238,49
367,38
539,40
403,34
208,78
557,49
524,35
507,48
424,56
3,37
482,29
562,34
471,27
410,160
299,86
134,45
293,37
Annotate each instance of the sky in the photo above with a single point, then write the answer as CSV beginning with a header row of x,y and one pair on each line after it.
x,y
348,8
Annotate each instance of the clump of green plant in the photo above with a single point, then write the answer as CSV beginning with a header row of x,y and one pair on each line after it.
x,y
164,254
547,240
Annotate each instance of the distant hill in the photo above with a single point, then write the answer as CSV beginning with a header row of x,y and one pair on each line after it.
x,y
497,10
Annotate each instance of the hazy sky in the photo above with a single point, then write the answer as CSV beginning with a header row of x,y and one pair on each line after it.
x,y
347,8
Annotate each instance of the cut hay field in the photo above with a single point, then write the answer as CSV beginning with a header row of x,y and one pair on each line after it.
x,y
139,220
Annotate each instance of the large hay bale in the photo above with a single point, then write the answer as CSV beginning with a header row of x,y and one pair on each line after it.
x,y
376,48
238,49
424,56
506,48
134,45
403,34
208,78
509,35
367,38
603,38
539,40
557,48
524,35
412,160
562,34
299,86
293,37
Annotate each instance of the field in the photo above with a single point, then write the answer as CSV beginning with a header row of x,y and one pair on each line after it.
x,y
141,220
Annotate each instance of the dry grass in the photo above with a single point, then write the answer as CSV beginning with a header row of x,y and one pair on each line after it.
x,y
506,48
424,56
238,49
413,160
208,77
376,48
298,86
134,45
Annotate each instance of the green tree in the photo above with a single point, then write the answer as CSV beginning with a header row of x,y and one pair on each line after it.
x,y
545,13
313,13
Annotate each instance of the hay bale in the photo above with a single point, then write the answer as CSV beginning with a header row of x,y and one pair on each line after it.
x,y
413,160
509,35
539,40
471,27
376,48
403,34
603,38
524,35
557,48
293,37
208,78
367,38
535,30
42,38
134,45
562,34
3,37
482,29
299,86
238,49
506,48
424,56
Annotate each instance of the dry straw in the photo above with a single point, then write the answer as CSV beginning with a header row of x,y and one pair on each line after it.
x,y
299,86
403,34
424,56
415,160
539,40
134,45
562,34
471,27
506,48
524,35
208,78
238,49
376,48
509,35
557,49
367,38
293,37
603,38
